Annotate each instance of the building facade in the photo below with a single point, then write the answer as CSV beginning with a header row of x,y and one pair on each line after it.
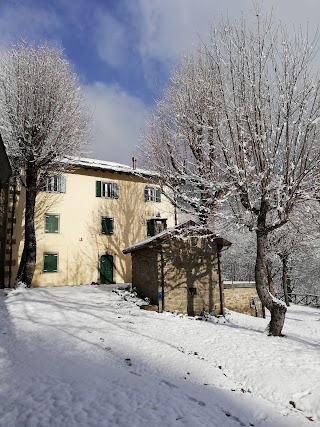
x,y
5,174
84,219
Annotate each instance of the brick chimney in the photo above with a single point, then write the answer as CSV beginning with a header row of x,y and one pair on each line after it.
x,y
134,163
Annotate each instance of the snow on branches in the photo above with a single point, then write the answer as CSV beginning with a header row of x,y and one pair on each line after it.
x,y
240,123
43,116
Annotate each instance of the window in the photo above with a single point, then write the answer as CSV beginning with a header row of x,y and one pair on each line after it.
x,y
106,225
156,226
53,183
150,227
152,194
50,262
108,190
51,223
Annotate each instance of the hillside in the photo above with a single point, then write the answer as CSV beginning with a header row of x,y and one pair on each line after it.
x,y
84,356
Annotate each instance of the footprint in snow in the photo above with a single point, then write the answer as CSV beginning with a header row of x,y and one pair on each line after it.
x,y
135,373
199,402
236,419
128,362
168,384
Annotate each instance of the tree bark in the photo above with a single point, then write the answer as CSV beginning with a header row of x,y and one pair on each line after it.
x,y
21,265
285,279
4,196
270,278
30,245
276,307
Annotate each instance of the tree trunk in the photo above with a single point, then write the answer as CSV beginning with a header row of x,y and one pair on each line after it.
x,y
289,284
270,278
4,197
284,260
30,245
21,265
276,307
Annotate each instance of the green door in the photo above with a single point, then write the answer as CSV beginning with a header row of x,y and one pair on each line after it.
x,y
106,269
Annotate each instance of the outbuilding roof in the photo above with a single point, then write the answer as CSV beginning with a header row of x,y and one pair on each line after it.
x,y
156,240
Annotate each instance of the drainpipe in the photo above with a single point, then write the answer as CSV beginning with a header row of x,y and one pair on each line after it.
x,y
219,247
175,215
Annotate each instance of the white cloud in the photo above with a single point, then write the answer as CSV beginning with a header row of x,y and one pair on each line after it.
x,y
32,23
110,38
166,28
118,121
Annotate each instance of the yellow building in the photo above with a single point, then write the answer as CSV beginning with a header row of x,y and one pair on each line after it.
x,y
84,219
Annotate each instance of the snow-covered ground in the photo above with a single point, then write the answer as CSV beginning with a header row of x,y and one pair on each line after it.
x,y
83,356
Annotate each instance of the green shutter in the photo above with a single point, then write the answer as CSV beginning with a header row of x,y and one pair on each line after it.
x,y
50,263
146,194
115,190
106,225
98,188
52,223
158,195
62,183
150,227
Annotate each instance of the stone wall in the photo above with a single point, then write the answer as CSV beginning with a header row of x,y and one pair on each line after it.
x,y
191,277
238,296
188,268
146,274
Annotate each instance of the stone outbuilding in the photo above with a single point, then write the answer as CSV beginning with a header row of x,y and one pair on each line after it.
x,y
180,269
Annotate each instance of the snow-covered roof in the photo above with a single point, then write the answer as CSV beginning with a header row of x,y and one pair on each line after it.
x,y
153,241
108,166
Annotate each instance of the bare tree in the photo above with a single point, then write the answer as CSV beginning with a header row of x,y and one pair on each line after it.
x,y
43,119
180,144
262,103
295,245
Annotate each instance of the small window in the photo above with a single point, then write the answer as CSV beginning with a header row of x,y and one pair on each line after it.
x,y
50,262
106,225
53,183
108,190
152,194
156,226
150,228
52,222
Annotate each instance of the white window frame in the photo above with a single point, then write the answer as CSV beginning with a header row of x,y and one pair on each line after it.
x,y
109,190
150,194
54,183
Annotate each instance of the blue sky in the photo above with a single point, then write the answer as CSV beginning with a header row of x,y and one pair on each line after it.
x,y
123,51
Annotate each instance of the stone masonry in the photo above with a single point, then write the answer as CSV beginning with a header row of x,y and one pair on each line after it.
x,y
185,268
238,296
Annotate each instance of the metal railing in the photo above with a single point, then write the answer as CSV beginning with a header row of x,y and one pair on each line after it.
x,y
303,299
